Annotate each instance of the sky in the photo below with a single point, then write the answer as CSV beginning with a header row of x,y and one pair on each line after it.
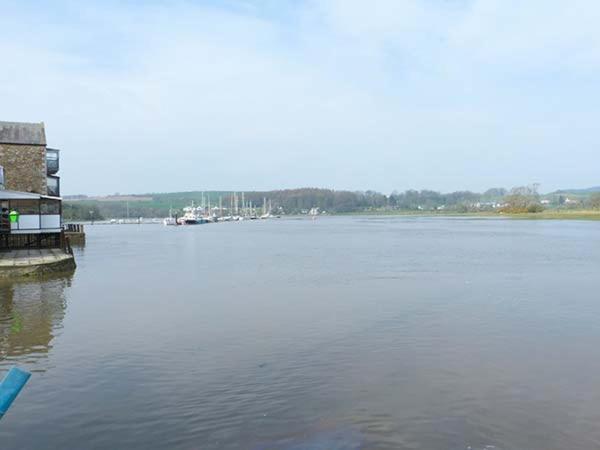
x,y
161,96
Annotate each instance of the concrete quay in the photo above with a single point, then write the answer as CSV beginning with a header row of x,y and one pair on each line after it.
x,y
34,262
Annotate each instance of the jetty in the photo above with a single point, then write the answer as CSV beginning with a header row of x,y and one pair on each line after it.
x,y
75,233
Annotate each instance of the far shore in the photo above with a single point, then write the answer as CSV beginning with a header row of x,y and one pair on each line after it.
x,y
544,215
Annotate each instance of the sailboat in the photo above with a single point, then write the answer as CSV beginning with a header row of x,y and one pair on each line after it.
x,y
266,212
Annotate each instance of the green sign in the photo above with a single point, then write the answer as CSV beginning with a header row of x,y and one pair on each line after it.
x,y
14,216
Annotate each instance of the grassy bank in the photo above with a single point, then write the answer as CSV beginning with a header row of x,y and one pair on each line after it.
x,y
544,215
559,215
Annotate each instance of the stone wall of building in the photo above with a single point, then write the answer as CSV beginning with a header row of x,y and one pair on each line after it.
x,y
24,167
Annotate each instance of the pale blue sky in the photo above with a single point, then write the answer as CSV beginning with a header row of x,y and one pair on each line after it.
x,y
348,94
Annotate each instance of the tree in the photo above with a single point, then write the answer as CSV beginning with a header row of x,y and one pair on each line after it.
x,y
494,193
523,199
595,201
80,211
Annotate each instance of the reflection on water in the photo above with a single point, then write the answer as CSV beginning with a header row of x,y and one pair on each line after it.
x,y
31,313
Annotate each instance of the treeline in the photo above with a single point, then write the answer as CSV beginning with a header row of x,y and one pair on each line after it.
x,y
79,211
292,201
121,210
300,201
431,200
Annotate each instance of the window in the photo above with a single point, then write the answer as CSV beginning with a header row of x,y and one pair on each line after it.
x,y
49,207
25,207
53,186
51,154
52,161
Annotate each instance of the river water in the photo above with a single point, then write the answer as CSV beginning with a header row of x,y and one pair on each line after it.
x,y
339,333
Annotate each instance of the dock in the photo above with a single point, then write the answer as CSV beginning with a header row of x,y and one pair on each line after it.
x,y
75,232
34,262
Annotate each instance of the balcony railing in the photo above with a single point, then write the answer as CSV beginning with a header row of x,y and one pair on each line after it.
x,y
52,161
53,184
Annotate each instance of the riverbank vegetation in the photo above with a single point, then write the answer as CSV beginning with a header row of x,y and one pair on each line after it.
x,y
81,211
518,202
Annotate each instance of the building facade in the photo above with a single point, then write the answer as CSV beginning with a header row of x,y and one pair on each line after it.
x,y
30,203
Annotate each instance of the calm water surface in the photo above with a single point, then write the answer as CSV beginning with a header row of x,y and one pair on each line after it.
x,y
343,333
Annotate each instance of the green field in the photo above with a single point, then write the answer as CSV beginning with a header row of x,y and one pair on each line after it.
x,y
552,214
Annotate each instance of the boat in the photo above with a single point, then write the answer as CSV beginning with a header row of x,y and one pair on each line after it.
x,y
208,219
168,221
266,210
190,216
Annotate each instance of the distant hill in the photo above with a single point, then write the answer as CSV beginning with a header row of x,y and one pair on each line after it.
x,y
587,191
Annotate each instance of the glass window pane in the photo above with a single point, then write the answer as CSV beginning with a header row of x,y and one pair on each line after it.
x,y
53,186
25,207
50,207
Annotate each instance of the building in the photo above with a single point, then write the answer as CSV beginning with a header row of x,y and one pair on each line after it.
x,y
30,203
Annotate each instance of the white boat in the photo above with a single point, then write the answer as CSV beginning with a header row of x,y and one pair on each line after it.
x,y
190,216
169,221
266,211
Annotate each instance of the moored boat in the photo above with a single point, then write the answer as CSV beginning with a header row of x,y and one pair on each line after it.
x,y
190,217
168,221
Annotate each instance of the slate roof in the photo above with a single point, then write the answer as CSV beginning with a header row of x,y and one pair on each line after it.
x,y
22,133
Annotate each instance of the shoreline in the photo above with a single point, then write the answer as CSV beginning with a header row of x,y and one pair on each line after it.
x,y
587,215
